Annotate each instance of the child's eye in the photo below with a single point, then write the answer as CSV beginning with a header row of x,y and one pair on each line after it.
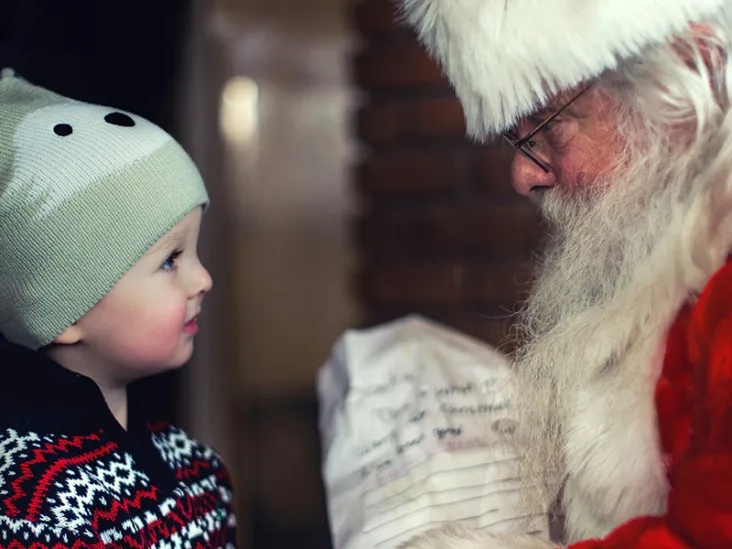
x,y
170,262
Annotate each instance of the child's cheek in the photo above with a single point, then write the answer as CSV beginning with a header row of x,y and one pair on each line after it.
x,y
158,342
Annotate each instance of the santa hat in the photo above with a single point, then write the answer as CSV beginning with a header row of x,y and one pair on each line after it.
x,y
506,57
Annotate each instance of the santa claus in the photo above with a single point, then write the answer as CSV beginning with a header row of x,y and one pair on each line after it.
x,y
621,115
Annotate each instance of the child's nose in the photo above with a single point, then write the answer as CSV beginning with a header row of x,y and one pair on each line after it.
x,y
202,281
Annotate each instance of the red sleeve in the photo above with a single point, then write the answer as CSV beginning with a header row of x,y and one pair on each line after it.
x,y
699,512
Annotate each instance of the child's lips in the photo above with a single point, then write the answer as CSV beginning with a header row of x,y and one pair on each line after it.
x,y
191,327
193,317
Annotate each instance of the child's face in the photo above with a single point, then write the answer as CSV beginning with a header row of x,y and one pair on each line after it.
x,y
146,324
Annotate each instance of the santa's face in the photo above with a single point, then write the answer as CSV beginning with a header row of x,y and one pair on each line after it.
x,y
578,147
615,173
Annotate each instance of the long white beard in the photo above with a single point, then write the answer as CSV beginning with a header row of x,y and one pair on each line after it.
x,y
607,284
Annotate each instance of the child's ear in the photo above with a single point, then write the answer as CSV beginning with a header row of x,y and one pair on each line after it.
x,y
70,336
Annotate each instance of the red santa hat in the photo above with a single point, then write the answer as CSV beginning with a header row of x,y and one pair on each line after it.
x,y
507,57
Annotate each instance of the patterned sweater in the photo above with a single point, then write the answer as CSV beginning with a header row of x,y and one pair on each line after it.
x,y
71,477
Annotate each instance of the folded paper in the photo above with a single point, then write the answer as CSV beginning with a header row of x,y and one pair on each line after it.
x,y
416,426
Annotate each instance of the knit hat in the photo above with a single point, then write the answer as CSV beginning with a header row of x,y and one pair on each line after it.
x,y
505,58
85,191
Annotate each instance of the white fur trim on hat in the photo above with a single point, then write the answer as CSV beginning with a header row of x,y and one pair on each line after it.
x,y
506,57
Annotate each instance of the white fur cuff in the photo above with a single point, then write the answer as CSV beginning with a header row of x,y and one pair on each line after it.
x,y
460,538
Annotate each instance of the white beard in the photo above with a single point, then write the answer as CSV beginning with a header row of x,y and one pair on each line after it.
x,y
622,264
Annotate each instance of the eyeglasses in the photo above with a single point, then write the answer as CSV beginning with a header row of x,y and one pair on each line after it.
x,y
524,144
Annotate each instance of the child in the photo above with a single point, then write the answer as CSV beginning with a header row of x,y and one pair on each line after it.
x,y
100,285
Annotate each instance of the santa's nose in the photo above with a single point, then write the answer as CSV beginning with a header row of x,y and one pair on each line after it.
x,y
528,178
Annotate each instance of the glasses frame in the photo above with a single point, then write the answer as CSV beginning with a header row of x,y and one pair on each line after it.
x,y
523,145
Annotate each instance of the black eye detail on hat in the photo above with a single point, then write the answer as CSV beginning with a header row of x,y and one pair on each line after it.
x,y
63,130
119,119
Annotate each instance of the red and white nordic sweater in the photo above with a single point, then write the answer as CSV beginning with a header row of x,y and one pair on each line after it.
x,y
71,477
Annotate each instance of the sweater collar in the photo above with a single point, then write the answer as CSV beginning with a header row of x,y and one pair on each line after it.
x,y
47,392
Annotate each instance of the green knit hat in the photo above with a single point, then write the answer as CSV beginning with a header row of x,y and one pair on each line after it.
x,y
85,191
